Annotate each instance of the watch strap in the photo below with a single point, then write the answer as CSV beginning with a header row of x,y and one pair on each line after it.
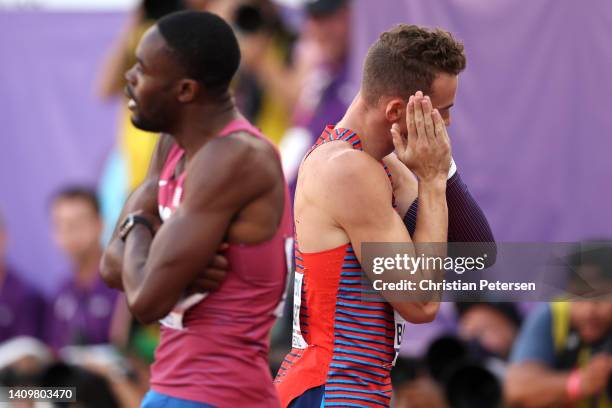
x,y
130,222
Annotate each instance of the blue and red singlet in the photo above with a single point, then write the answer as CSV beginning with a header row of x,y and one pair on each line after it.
x,y
344,344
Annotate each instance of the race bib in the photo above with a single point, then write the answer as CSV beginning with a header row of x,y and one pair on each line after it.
x,y
399,332
297,340
174,319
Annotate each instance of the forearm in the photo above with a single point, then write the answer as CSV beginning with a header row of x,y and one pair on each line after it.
x,y
112,258
432,220
111,264
429,239
137,245
535,387
466,221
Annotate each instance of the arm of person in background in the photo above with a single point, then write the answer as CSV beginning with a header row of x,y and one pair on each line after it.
x,y
111,80
362,207
466,220
157,270
532,382
281,80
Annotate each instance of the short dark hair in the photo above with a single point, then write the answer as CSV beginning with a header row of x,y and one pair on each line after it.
x,y
205,46
78,193
407,59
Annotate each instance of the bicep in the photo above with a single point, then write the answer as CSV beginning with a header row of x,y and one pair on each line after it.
x,y
364,211
384,225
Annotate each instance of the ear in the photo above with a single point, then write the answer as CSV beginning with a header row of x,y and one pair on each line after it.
x,y
395,109
187,90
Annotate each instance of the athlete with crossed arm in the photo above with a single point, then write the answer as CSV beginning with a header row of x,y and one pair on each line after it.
x,y
214,179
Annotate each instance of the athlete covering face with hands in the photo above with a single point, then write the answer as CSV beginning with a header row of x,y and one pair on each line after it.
x,y
344,344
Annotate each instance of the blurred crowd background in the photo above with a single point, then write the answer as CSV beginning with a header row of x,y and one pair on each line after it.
x,y
531,134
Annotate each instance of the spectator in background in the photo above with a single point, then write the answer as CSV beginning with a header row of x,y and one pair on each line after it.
x,y
563,355
92,389
21,306
421,392
289,89
267,85
322,65
82,310
22,361
490,327
421,335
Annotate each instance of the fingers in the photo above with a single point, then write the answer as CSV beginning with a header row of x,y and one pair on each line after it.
x,y
398,140
219,262
213,274
429,124
211,280
419,120
203,285
439,127
412,132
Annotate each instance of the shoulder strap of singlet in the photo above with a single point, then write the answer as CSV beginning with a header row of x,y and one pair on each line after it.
x,y
176,152
174,155
243,125
331,134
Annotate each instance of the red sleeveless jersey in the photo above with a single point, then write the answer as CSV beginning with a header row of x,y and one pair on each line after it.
x,y
219,356
341,339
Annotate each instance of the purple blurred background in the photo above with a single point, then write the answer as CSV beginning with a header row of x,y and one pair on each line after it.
x,y
54,130
532,123
531,128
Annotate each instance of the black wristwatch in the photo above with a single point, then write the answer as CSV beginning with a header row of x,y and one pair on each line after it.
x,y
130,221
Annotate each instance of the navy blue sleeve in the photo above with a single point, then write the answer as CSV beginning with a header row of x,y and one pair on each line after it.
x,y
535,341
466,221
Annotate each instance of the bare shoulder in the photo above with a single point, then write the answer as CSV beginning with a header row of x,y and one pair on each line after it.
x,y
237,166
235,153
341,170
